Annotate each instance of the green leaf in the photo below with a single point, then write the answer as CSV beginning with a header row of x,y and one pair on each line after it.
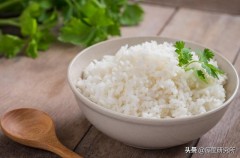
x,y
48,20
32,49
115,4
185,59
81,22
46,4
37,10
28,24
217,70
95,14
132,15
90,8
114,9
27,21
44,38
10,45
179,45
206,55
76,32
67,9
186,54
114,29
33,9
212,70
99,19
201,75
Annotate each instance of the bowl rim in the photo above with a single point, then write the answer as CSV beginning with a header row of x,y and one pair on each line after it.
x,y
130,118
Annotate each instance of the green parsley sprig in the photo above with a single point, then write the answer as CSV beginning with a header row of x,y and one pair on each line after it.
x,y
185,60
79,22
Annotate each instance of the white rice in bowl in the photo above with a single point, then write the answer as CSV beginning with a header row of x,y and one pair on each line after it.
x,y
145,81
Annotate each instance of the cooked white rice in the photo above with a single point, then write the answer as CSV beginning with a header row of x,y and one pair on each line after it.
x,y
145,81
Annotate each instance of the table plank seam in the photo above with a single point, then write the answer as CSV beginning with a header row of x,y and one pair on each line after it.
x,y
236,56
195,143
75,147
168,21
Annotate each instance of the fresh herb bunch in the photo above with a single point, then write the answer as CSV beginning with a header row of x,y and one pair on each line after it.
x,y
80,22
185,60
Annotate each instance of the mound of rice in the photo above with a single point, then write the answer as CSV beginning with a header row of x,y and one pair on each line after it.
x,y
145,81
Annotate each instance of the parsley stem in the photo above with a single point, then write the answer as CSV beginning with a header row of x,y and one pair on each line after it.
x,y
11,22
194,61
8,3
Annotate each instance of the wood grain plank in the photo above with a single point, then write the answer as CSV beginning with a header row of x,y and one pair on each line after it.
x,y
155,17
237,62
228,6
99,145
227,132
218,31
42,84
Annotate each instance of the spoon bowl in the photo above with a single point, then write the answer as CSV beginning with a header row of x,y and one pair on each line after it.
x,y
27,124
34,128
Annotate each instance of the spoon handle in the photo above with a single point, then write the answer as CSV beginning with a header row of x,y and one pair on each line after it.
x,y
64,152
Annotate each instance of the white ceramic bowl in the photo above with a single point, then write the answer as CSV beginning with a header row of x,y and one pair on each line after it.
x,y
146,132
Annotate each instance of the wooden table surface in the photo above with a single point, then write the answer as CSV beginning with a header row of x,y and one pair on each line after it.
x,y
42,84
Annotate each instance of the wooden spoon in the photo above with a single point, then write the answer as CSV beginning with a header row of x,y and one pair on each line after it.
x,y
34,128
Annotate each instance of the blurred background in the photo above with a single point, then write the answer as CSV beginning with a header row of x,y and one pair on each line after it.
x,y
227,6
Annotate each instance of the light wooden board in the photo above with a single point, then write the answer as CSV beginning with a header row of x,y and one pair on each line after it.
x,y
237,62
218,31
96,144
227,132
228,6
42,84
